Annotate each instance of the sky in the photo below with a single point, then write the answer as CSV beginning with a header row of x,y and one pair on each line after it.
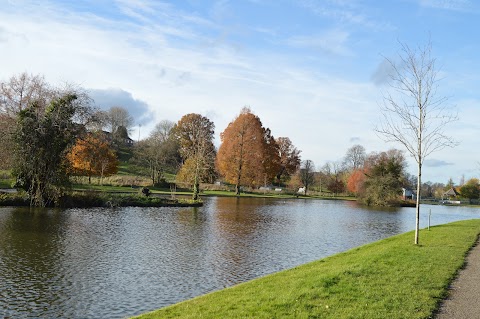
x,y
313,71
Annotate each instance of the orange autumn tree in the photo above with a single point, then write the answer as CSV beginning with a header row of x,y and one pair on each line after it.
x,y
356,180
91,156
248,155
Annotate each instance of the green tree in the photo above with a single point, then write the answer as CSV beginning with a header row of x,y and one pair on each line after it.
x,y
42,140
384,181
471,190
289,159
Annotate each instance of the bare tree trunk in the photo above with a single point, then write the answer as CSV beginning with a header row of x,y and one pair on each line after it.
x,y
196,183
417,209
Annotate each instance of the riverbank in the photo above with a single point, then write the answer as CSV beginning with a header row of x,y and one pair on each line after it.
x,y
79,199
391,278
208,192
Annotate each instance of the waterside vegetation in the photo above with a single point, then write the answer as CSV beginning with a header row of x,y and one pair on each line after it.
x,y
390,278
85,199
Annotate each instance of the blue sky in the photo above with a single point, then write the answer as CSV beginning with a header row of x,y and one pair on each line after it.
x,y
311,70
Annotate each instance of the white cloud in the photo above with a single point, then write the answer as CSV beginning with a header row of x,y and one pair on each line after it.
x,y
167,69
107,98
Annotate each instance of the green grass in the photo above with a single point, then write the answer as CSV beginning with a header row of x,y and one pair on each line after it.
x,y
391,278
101,199
186,192
6,179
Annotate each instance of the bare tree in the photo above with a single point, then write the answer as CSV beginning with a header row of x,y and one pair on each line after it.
x,y
307,174
162,130
21,90
413,113
355,157
118,116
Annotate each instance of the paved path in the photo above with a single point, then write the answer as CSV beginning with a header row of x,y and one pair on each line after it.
x,y
464,299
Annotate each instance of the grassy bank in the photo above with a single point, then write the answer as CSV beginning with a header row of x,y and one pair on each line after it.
x,y
391,278
205,193
101,199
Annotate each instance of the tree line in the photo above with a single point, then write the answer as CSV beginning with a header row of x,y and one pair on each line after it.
x,y
54,133
51,133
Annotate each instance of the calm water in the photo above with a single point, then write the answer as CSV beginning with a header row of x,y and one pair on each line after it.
x,y
115,263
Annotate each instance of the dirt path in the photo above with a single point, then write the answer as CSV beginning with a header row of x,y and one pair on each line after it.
x,y
464,299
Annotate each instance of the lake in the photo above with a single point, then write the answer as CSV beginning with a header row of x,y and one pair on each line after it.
x,y
116,263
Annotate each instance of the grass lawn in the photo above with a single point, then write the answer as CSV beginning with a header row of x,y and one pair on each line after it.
x,y
391,278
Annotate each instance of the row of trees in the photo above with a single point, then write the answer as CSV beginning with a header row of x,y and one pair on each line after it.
x,y
57,132
248,156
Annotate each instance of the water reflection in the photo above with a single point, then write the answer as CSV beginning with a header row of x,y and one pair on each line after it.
x,y
113,263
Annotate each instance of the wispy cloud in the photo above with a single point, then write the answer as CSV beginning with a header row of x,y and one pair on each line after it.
x,y
436,163
346,12
456,5
332,42
381,75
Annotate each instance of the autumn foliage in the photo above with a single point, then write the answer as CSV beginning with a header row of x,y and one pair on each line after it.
x,y
248,155
289,158
356,180
195,136
90,156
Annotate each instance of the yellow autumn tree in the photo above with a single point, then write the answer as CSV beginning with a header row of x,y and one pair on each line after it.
x,y
195,136
90,156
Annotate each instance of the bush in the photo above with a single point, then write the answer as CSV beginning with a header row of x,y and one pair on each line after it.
x,y
14,199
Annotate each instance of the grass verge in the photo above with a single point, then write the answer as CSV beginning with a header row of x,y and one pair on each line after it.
x,y
391,278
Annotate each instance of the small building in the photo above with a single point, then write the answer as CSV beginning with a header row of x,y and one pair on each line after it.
x,y
408,194
450,194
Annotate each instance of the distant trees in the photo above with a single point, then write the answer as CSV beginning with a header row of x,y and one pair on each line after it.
x,y
159,152
16,94
471,189
356,181
117,117
194,133
21,90
307,174
289,157
413,114
332,176
248,155
91,156
355,157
